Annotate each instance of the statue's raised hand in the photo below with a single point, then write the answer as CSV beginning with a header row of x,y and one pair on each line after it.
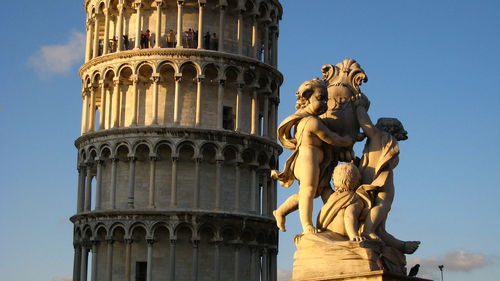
x,y
361,100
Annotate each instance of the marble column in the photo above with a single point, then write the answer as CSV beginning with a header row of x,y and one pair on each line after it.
x,y
222,13
255,113
201,6
109,259
149,266
120,27
171,268
88,188
265,131
81,188
195,260
128,258
156,82
220,103
131,182
159,3
199,81
102,116
91,111
138,26
93,273
77,261
96,37
265,265
112,195
255,44
266,43
178,78
85,109
84,264
237,248
218,183
180,4
217,260
152,179
196,199
265,195
105,40
239,108
239,32
253,188
135,94
116,103
237,172
173,194
98,183
88,44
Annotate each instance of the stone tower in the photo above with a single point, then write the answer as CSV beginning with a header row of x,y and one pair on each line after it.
x,y
178,135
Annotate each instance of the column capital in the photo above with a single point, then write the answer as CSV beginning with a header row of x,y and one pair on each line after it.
x,y
153,157
138,4
222,81
120,7
180,2
175,158
155,78
159,3
202,3
173,241
200,78
178,77
195,242
110,239
116,81
198,159
131,158
128,240
150,240
135,78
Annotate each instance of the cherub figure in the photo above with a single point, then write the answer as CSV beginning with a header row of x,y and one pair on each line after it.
x,y
305,133
380,157
344,210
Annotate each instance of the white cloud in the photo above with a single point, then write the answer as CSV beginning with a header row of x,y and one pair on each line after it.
x,y
67,278
454,261
58,59
284,274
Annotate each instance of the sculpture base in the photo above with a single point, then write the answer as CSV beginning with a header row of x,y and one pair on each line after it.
x,y
330,256
378,275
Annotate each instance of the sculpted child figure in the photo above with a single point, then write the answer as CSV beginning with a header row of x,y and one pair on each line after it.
x,y
305,133
345,209
380,157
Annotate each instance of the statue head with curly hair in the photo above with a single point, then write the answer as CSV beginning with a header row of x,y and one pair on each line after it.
x,y
312,95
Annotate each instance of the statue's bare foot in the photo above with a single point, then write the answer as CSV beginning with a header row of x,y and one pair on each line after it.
x,y
280,220
310,229
371,236
409,247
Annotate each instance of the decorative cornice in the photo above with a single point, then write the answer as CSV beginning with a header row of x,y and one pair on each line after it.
x,y
176,53
180,132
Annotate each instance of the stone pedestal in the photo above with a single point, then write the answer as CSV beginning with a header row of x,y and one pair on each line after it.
x,y
329,256
378,275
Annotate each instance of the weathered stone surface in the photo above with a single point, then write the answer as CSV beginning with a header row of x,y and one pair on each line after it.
x,y
328,254
378,275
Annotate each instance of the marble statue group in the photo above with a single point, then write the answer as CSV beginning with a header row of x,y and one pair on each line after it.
x,y
331,116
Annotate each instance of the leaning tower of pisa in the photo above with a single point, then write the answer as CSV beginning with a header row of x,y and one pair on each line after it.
x,y
177,138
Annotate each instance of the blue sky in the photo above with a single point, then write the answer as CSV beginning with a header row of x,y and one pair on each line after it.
x,y
432,64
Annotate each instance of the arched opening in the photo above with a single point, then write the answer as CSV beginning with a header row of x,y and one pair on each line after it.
x,y
185,178
138,254
118,262
211,23
188,97
126,96
206,251
161,253
142,172
163,181
228,185
209,100
184,254
207,169
166,93
170,22
190,24
229,103
144,95
231,26
226,255
122,177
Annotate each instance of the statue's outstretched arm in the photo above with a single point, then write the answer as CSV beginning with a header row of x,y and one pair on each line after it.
x,y
365,122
